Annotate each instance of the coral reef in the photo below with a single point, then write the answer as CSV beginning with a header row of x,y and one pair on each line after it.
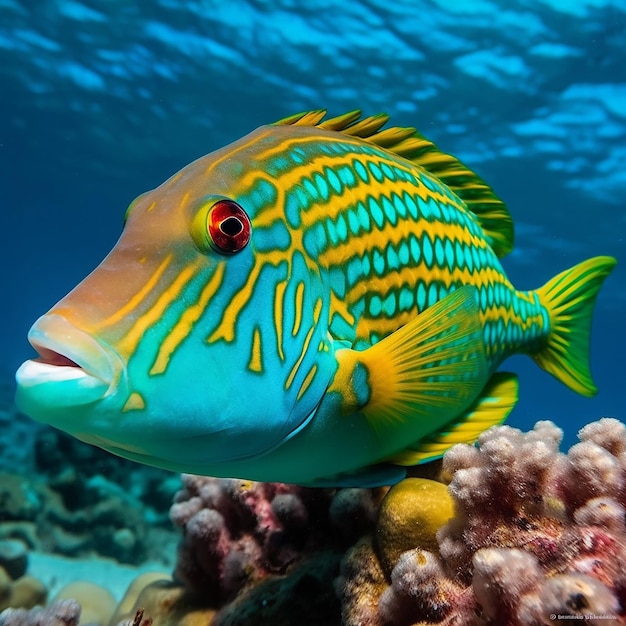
x,y
516,533
257,553
97,603
13,557
16,588
100,519
238,532
402,525
537,534
97,503
63,613
76,504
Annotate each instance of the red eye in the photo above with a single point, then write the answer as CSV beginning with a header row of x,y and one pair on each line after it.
x,y
228,227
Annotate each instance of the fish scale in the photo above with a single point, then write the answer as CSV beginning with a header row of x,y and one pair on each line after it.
x,y
383,208
320,302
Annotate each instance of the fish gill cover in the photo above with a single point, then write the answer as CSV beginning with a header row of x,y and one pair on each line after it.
x,y
102,101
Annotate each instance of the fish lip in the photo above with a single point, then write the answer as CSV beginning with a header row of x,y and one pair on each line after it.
x,y
59,343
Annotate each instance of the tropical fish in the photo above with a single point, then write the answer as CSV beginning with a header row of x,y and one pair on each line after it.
x,y
320,302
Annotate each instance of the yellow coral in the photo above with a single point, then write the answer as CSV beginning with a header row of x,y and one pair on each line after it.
x,y
97,602
25,592
410,516
169,604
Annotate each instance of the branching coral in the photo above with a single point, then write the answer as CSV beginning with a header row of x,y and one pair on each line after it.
x,y
239,532
536,534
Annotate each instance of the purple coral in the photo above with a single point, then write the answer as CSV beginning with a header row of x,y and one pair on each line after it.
x,y
537,535
238,532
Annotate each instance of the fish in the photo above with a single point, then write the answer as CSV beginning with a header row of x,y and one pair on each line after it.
x,y
321,302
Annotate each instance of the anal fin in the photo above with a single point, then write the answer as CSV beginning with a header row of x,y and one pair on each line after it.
x,y
496,401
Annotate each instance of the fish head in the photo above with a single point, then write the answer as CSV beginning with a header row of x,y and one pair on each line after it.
x,y
201,338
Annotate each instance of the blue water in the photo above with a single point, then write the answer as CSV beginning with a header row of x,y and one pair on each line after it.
x,y
100,101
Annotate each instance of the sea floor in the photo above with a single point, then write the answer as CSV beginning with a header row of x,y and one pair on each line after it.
x,y
57,572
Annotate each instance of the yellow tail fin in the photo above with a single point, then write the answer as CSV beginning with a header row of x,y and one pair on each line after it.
x,y
569,298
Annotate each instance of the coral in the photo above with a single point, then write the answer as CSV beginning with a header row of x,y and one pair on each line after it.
x,y
72,509
19,500
13,557
166,603
138,620
305,592
95,502
63,613
16,589
76,516
25,592
536,533
97,603
515,533
126,609
410,515
360,584
237,533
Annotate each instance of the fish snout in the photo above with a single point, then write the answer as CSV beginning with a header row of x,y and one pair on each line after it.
x,y
72,368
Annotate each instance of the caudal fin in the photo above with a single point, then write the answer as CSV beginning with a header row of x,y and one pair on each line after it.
x,y
569,298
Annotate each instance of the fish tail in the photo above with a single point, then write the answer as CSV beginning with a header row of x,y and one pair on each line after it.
x,y
569,299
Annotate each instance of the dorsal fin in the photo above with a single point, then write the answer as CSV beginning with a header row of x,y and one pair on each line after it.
x,y
491,212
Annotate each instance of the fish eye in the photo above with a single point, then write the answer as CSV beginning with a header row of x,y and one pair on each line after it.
x,y
223,225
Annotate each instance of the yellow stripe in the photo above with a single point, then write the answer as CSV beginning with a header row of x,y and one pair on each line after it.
x,y
360,192
186,322
279,295
135,402
134,302
411,275
226,327
365,242
305,345
231,151
255,363
291,140
298,305
268,215
307,382
129,343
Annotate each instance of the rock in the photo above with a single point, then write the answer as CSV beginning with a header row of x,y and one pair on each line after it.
x,y
27,592
14,557
24,593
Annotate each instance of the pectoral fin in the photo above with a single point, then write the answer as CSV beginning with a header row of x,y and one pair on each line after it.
x,y
419,377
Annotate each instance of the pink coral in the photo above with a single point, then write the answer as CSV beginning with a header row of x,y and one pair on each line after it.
x,y
238,532
536,533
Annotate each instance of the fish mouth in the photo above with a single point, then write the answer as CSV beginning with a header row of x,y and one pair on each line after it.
x,y
72,368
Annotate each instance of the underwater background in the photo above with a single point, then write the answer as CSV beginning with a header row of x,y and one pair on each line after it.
x,y
101,101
